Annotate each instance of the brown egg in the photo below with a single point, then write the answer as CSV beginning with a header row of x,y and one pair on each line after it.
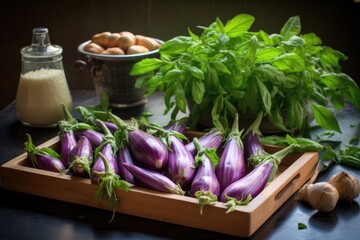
x,y
113,51
147,42
93,48
136,49
113,40
126,40
101,39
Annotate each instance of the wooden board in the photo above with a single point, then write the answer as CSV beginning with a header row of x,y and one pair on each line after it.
x,y
18,175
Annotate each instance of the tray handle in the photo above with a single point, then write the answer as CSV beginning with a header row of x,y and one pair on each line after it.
x,y
288,189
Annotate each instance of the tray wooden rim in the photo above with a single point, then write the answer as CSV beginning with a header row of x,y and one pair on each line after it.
x,y
243,222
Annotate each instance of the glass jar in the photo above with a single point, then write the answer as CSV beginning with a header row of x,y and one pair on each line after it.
x,y
43,88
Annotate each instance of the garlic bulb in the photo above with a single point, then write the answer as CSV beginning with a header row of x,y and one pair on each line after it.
x,y
322,196
346,184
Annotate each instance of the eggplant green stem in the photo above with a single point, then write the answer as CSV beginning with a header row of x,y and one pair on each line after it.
x,y
254,127
233,202
277,157
202,153
235,133
108,181
205,198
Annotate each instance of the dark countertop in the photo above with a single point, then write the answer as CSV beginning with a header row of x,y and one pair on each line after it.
x,y
24,216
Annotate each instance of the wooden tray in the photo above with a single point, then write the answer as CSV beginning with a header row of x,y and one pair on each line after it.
x,y
18,175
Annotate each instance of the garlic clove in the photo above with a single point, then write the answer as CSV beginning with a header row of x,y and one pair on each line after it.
x,y
346,184
323,196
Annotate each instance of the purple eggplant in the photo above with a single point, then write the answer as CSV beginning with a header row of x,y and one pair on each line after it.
x,y
153,179
68,142
231,166
205,186
178,126
44,158
125,157
247,188
254,150
108,148
180,168
94,137
111,126
146,149
67,136
212,139
81,158
108,182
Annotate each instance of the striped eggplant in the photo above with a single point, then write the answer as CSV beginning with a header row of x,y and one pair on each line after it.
x,y
231,166
81,158
178,126
68,142
214,138
108,148
180,168
254,150
205,186
242,191
94,137
124,156
153,179
146,149
44,158
67,136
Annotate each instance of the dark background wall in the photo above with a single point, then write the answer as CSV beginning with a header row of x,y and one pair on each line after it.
x,y
73,22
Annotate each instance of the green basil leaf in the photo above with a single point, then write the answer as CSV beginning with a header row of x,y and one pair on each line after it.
x,y
169,92
294,41
265,96
175,46
330,58
311,39
267,54
230,108
219,66
146,65
197,90
219,25
292,27
338,101
238,25
151,85
265,37
141,81
325,118
277,120
173,75
180,99
289,62
319,98
295,114
251,50
193,35
195,72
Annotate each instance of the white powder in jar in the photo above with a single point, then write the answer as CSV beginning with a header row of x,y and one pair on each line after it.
x,y
40,95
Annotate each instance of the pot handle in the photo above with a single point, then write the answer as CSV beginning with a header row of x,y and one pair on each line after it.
x,y
84,65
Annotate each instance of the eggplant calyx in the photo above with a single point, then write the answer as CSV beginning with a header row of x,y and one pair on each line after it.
x,y
205,198
233,202
81,163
